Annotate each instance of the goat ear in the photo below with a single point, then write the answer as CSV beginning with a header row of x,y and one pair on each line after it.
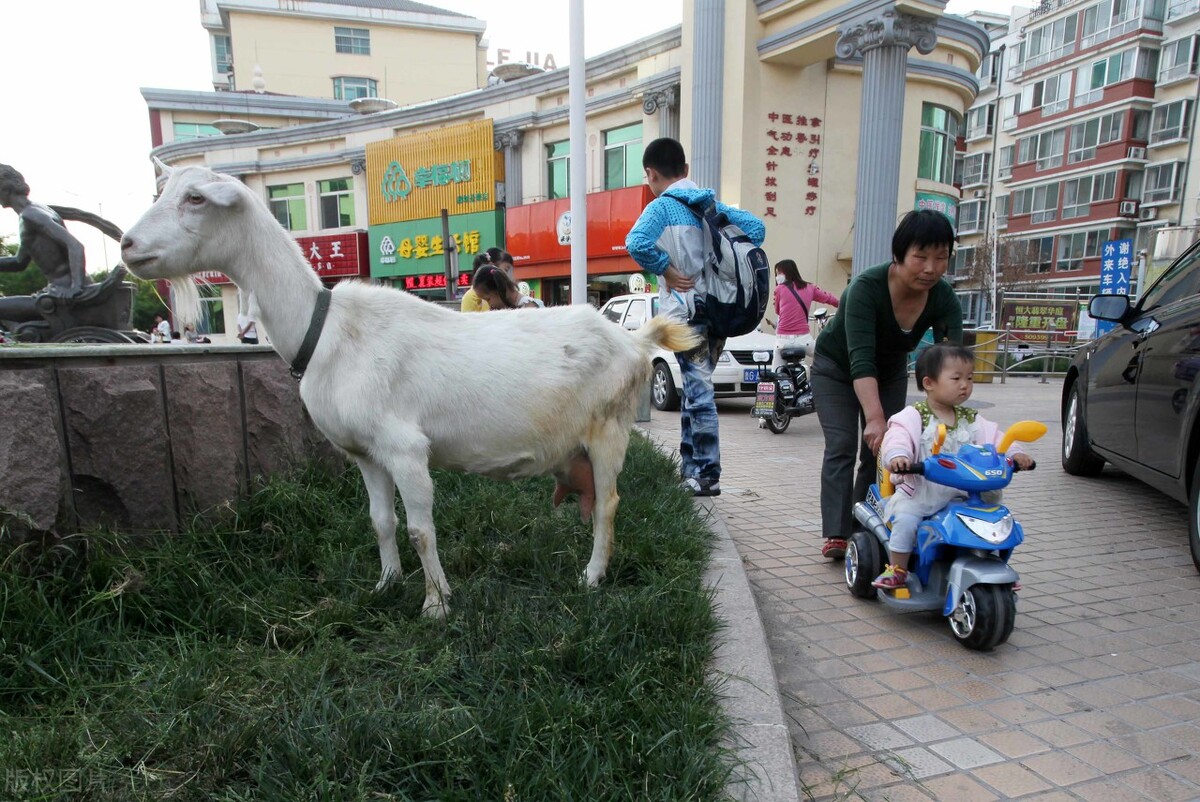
x,y
161,168
221,193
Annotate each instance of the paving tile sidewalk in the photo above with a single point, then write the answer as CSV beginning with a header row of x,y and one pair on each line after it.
x,y
1095,697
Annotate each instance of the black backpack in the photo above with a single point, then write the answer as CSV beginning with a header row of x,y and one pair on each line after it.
x,y
736,277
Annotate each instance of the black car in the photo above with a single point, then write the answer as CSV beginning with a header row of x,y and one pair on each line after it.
x,y
1132,398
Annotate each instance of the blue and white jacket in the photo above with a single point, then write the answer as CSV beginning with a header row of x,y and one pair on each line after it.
x,y
668,233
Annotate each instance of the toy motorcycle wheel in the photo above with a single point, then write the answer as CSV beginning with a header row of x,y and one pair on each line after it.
x,y
864,561
778,422
983,617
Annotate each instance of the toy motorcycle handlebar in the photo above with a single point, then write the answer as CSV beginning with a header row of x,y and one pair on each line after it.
x,y
918,468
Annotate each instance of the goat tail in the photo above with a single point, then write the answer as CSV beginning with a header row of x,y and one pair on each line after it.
x,y
662,332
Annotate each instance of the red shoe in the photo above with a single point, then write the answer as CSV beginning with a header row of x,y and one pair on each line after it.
x,y
834,548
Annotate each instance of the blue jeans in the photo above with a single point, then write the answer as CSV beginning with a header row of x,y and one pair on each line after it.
x,y
700,442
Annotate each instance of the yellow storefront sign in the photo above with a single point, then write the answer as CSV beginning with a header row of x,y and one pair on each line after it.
x,y
417,175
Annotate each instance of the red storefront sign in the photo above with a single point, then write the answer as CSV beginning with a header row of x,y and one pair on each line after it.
x,y
332,256
540,233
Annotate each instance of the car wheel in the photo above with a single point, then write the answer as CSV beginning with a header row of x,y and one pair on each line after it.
x,y
864,561
663,391
1194,516
983,616
1077,458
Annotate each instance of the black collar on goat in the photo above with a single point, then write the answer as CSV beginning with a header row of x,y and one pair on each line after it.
x,y
300,364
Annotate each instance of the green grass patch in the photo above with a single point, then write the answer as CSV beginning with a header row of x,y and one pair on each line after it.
x,y
247,658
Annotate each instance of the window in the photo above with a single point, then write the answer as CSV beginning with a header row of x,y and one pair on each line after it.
x,y
1050,42
1182,8
972,217
1177,60
354,88
1001,204
1084,138
1026,149
223,50
287,204
186,131
352,40
616,310
939,131
1074,248
1045,204
1111,18
623,157
1170,122
1110,127
1141,124
1161,183
337,202
1050,149
1004,161
558,170
980,121
212,310
1077,197
976,169
1133,185
973,307
1022,202
1052,95
962,262
1104,186
1010,108
1039,254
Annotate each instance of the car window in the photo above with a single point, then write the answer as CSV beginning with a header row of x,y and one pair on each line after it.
x,y
614,311
1181,280
636,314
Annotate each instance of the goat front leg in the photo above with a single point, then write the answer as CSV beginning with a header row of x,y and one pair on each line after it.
x,y
381,489
410,471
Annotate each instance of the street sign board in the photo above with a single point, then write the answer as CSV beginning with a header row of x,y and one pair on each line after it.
x,y
1116,264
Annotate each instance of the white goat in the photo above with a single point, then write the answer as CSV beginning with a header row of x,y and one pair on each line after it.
x,y
401,385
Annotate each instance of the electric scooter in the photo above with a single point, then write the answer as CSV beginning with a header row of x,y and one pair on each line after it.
x,y
960,563
784,393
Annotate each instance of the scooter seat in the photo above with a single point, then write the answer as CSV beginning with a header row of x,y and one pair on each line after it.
x,y
793,354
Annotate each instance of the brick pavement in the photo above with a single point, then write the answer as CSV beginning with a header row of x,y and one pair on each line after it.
x,y
1095,697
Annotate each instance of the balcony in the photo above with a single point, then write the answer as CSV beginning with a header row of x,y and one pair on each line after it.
x,y
1050,55
1182,8
1120,28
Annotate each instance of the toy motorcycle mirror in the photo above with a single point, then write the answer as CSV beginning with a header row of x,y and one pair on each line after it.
x,y
941,438
1024,430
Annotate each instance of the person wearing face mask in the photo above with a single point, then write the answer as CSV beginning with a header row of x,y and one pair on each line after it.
x,y
794,298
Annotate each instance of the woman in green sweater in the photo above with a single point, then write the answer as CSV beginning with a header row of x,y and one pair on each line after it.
x,y
860,371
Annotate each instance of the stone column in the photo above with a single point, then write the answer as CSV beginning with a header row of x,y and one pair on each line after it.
x,y
510,142
708,69
666,103
883,39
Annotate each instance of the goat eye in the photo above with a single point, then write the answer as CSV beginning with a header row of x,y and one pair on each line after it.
x,y
195,199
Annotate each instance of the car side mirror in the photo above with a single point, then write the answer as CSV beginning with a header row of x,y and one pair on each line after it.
x,y
1109,307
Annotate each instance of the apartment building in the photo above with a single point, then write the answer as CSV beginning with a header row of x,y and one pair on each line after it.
x,y
1082,133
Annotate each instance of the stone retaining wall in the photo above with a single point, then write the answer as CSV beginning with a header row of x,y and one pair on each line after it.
x,y
136,436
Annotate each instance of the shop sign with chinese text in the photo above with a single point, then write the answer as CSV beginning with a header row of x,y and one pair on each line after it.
x,y
1034,321
418,247
332,256
415,176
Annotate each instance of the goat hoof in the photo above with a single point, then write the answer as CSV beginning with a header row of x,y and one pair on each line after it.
x,y
435,608
385,582
592,577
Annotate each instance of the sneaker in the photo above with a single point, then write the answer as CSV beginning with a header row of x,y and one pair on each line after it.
x,y
892,577
702,487
834,548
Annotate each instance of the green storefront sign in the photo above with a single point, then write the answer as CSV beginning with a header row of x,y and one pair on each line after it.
x,y
417,247
939,203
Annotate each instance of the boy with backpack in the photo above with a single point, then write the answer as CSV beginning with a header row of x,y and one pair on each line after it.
x,y
678,235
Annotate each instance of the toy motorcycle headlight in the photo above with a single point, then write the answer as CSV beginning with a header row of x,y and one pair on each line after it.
x,y
991,531
762,356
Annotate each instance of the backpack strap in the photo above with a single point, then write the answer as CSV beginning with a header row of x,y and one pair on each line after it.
x,y
707,214
799,300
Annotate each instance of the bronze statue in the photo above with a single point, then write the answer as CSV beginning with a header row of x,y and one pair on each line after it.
x,y
71,308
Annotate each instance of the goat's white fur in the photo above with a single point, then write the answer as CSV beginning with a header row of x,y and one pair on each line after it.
x,y
401,385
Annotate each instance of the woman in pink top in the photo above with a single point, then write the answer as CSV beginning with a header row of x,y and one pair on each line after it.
x,y
793,304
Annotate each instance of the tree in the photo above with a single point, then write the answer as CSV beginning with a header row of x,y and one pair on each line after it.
x,y
1020,266
147,302
27,282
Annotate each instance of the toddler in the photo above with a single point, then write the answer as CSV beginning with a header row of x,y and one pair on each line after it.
x,y
944,372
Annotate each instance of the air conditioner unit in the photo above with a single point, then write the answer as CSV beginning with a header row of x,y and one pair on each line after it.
x,y
1137,153
979,193
1148,213
1128,208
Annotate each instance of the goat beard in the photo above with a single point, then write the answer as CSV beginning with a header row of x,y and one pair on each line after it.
x,y
186,298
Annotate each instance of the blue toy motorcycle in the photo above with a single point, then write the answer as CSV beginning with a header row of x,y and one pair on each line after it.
x,y
960,563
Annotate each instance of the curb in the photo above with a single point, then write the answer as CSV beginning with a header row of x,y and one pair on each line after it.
x,y
749,691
